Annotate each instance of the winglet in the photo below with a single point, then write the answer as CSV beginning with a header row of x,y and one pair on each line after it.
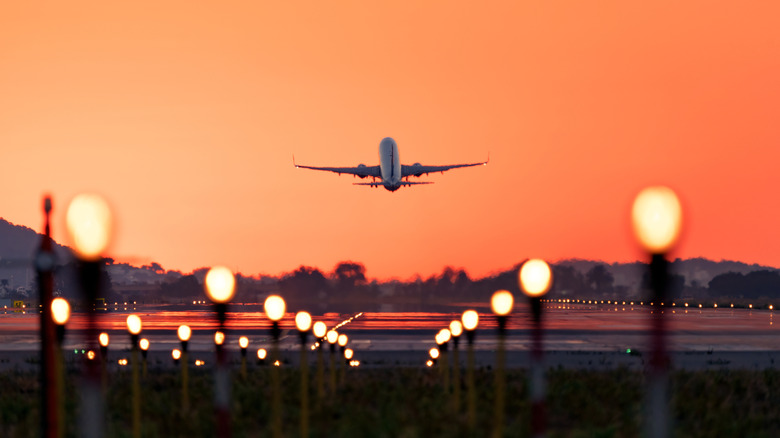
x,y
296,166
488,160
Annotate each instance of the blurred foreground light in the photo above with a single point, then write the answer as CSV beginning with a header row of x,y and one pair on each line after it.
x,y
303,321
261,353
342,340
220,284
134,324
144,344
535,277
656,217
274,307
184,332
456,328
429,363
332,337
90,355
319,329
199,363
103,339
444,336
348,354
434,353
60,311
470,319
122,362
502,302
219,338
277,363
176,354
88,221
243,342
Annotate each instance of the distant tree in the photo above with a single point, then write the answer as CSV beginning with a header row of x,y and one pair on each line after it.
x,y
349,275
756,284
154,267
567,281
599,279
185,286
303,282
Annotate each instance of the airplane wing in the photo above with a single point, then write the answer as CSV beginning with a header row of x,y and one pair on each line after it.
x,y
402,183
361,170
418,169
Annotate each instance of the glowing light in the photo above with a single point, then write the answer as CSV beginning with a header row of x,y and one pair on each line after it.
x,y
502,302
303,321
342,340
144,344
274,307
535,278
332,336
90,355
434,353
122,362
88,221
277,363
184,332
60,311
429,363
220,284
199,363
444,336
219,337
470,320
699,306
243,342
348,354
656,217
456,328
771,307
261,353
134,324
716,305
176,354
319,329
750,306
103,339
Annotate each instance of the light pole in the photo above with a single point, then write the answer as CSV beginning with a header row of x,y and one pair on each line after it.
x,y
89,225
274,307
443,340
456,329
220,288
535,279
243,343
134,328
332,337
501,303
60,313
303,324
144,344
319,330
103,341
52,422
342,341
470,319
184,332
656,216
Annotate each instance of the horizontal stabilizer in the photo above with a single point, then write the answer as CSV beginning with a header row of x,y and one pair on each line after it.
x,y
402,183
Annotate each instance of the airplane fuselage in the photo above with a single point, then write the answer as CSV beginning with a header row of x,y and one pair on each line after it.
x,y
389,164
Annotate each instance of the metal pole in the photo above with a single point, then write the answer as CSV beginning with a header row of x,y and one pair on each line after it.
x,y
499,406
44,264
91,418
538,383
472,395
222,380
658,416
276,406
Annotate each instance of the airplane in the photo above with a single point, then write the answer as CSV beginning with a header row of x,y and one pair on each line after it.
x,y
391,172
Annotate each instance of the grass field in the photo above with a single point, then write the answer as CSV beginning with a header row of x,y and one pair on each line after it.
x,y
411,402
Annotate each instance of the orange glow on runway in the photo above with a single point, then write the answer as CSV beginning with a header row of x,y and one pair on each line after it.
x,y
185,117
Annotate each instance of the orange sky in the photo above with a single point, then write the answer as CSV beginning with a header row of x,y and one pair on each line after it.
x,y
186,116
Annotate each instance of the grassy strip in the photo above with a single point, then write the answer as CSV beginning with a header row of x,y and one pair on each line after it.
x,y
410,402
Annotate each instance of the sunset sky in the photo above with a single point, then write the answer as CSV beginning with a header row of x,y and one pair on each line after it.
x,y
186,115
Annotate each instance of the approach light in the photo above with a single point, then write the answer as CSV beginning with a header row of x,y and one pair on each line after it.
x,y
319,329
332,336
274,307
261,353
502,302
535,278
144,344
220,284
303,321
88,221
243,342
657,219
470,320
184,332
103,339
456,328
219,337
134,324
60,311
342,340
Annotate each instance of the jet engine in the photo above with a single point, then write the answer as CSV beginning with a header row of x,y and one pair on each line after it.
x,y
418,174
361,165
